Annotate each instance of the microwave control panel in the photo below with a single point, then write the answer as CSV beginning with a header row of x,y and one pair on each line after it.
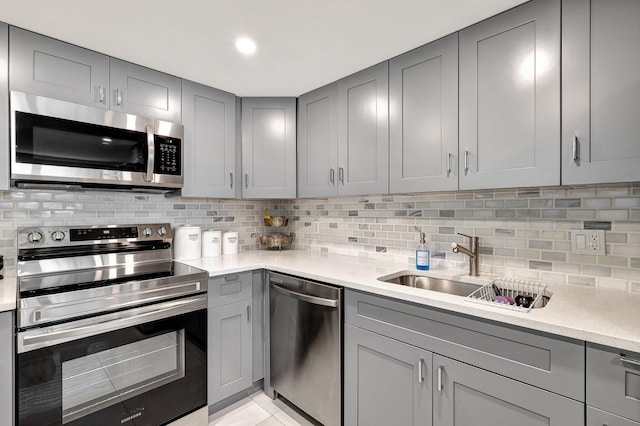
x,y
168,158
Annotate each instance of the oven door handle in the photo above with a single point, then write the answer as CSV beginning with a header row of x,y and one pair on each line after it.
x,y
48,336
151,148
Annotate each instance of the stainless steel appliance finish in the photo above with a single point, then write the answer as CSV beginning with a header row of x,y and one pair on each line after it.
x,y
66,157
411,279
306,346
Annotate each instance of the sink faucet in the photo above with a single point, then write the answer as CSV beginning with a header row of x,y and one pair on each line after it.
x,y
472,252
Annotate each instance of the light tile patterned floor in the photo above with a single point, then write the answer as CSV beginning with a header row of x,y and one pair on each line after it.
x,y
258,409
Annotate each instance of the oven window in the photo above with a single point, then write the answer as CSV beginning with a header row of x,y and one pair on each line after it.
x,y
95,381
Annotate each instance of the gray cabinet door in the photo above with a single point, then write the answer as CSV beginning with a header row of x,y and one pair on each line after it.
x,y
386,382
145,92
6,368
597,417
423,118
510,99
363,132
4,107
44,66
229,350
318,142
269,147
468,396
600,91
209,118
258,325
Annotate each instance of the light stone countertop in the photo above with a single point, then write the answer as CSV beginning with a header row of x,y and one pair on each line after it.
x,y
607,317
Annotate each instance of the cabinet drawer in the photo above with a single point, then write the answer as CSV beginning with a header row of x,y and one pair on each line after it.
x,y
613,381
597,417
229,289
552,363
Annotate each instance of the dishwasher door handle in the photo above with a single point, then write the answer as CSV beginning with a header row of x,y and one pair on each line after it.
x,y
332,303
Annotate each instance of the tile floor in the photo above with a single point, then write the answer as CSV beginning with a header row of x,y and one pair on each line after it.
x,y
258,409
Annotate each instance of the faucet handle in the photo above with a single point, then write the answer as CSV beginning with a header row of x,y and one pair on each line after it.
x,y
465,235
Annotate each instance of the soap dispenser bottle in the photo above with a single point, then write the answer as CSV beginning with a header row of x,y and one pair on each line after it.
x,y
423,255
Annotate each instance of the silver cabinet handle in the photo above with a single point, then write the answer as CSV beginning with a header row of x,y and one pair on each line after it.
x,y
232,278
341,175
332,303
101,93
118,97
449,162
248,313
150,153
420,370
574,148
440,385
246,180
231,180
632,361
466,160
332,176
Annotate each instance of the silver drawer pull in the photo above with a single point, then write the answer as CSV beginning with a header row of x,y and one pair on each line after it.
x,y
466,161
332,176
449,162
420,370
440,385
574,153
632,361
231,180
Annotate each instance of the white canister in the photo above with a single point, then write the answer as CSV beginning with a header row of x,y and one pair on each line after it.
x,y
211,243
230,243
186,243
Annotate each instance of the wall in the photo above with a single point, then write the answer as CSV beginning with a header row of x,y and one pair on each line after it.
x,y
523,233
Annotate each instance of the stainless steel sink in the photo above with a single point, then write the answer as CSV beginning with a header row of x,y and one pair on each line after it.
x,y
429,283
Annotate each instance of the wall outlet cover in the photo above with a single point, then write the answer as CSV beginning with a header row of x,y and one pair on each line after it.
x,y
588,241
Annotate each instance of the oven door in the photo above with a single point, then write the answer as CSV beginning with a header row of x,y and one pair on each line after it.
x,y
145,366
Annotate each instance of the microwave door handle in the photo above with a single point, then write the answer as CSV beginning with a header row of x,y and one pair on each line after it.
x,y
150,153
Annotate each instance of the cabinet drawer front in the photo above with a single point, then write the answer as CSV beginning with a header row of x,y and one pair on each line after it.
x,y
597,417
229,289
612,383
554,364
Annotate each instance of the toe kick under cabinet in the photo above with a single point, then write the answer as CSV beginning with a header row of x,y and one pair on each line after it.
x,y
420,365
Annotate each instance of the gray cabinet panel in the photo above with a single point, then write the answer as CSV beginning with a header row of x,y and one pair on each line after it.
x,y
269,147
613,384
143,91
7,353
318,142
229,350
597,417
386,382
510,99
229,289
258,325
44,66
363,132
4,107
423,118
209,118
601,91
552,363
467,396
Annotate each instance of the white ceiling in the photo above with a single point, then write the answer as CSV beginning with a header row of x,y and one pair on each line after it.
x,y
302,44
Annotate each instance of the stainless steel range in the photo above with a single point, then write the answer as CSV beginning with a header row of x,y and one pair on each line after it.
x,y
109,329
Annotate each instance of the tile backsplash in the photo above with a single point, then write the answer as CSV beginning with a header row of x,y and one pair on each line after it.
x,y
524,233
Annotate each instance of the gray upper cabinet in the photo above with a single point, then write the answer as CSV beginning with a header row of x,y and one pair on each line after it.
x,y
209,118
510,99
600,91
363,132
468,396
318,142
145,92
423,118
269,147
44,66
4,107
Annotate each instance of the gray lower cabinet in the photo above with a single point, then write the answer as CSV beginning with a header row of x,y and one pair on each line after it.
x,y
258,324
145,92
209,119
48,67
423,118
363,132
318,142
386,382
230,339
464,395
600,91
597,417
4,107
7,369
269,147
510,99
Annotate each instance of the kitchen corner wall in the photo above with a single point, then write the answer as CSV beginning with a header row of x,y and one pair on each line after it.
x,y
524,233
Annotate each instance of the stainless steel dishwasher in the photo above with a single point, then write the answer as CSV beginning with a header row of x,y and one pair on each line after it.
x,y
305,325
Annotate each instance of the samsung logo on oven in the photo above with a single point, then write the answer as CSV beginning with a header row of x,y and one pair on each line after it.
x,y
131,417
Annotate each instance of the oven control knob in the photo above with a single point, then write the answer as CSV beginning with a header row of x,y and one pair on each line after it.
x,y
34,237
162,231
146,232
57,236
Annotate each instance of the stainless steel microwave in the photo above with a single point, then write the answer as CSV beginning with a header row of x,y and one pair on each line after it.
x,y
63,145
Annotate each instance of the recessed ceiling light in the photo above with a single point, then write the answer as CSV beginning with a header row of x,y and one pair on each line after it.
x,y
246,46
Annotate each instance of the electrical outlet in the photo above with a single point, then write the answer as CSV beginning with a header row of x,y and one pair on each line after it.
x,y
588,241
